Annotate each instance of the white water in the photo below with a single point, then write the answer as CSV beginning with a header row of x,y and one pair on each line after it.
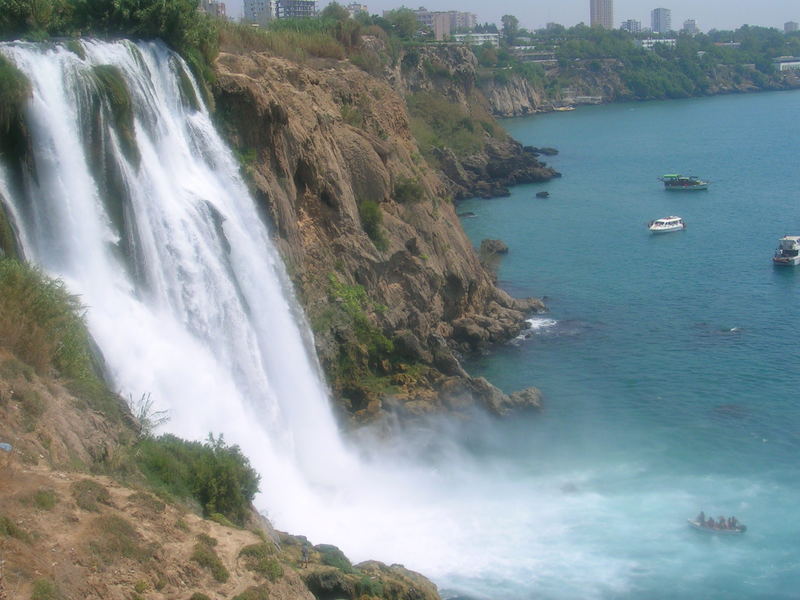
x,y
209,329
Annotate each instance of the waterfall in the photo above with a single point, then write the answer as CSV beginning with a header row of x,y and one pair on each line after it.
x,y
187,297
140,209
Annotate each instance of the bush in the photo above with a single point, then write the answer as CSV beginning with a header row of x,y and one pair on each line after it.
x,y
205,556
9,529
114,537
42,323
114,89
407,189
259,592
14,92
43,499
258,558
88,494
44,589
216,475
371,222
332,556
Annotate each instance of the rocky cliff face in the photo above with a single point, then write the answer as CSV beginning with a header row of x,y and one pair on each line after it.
x,y
391,284
605,78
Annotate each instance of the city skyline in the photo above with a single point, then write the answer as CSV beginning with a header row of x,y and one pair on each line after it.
x,y
716,14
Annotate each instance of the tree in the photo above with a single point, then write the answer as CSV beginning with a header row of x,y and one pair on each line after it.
x,y
510,28
404,22
336,11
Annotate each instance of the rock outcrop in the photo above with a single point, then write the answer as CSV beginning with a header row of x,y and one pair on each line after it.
x,y
390,283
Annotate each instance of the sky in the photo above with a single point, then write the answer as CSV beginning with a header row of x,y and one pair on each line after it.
x,y
534,14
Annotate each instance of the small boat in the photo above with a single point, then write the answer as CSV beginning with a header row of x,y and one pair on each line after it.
x,y
563,108
737,530
683,182
666,224
542,194
788,252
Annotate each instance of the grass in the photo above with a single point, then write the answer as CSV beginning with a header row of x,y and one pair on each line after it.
x,y
296,45
43,499
10,529
89,495
259,592
115,537
205,556
42,323
45,589
332,556
372,223
32,406
148,502
259,559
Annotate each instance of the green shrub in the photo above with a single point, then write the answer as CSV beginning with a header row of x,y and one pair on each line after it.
x,y
258,558
219,477
148,502
114,537
206,539
42,323
43,499
205,556
9,529
371,222
259,592
32,405
369,586
45,589
407,189
88,494
332,556
199,596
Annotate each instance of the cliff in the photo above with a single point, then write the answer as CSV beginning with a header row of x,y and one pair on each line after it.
x,y
611,81
78,520
389,281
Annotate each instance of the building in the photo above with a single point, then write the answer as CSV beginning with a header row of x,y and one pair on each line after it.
x,y
790,26
787,63
445,23
215,9
690,27
661,20
478,39
601,12
631,26
649,43
258,12
356,8
296,9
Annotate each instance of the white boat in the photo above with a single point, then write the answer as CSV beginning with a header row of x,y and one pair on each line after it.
x,y
736,530
788,252
666,224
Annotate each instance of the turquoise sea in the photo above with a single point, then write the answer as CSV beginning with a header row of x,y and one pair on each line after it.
x,y
668,363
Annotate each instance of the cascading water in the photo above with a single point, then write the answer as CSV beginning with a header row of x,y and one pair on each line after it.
x,y
187,299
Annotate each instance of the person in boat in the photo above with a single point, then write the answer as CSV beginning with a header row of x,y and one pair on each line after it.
x,y
701,518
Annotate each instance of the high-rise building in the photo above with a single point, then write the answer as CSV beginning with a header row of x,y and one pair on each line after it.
x,y
258,12
601,12
632,26
690,27
213,8
296,9
790,26
661,20
445,23
355,8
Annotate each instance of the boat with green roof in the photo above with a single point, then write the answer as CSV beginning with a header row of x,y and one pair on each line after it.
x,y
674,182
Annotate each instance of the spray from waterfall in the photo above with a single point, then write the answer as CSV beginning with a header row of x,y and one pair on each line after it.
x,y
141,211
